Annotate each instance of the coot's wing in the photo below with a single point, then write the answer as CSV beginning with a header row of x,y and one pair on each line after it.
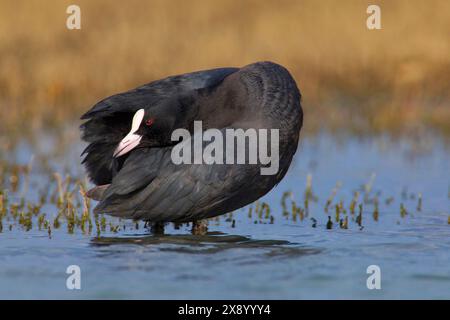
x,y
140,168
159,190
109,120
154,92
183,192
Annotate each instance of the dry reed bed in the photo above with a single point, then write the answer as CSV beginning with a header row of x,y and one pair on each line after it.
x,y
375,81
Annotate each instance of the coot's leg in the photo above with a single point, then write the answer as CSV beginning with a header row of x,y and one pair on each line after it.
x,y
199,227
177,225
157,228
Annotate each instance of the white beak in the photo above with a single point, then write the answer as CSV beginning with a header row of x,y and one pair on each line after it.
x,y
132,139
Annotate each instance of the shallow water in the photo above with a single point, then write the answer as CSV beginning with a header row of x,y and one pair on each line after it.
x,y
258,258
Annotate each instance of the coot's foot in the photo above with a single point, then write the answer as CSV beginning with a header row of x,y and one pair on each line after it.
x,y
199,227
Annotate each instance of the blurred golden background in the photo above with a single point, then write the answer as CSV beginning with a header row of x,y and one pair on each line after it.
x,y
392,80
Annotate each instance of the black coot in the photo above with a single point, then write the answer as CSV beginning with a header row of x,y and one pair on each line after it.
x,y
129,141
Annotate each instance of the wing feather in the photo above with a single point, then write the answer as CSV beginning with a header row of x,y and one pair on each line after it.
x,y
109,120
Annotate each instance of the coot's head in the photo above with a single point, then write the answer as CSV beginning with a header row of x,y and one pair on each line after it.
x,y
149,128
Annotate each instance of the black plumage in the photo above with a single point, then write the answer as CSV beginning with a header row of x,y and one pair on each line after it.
x,y
146,184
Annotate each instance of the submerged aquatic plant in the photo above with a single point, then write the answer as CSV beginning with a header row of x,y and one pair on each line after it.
x,y
359,217
403,211
419,203
338,212
329,223
375,210
332,195
343,223
60,205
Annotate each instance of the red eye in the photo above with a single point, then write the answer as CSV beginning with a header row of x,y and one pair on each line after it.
x,y
149,122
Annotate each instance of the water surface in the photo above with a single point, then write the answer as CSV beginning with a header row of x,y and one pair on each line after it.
x,y
257,257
